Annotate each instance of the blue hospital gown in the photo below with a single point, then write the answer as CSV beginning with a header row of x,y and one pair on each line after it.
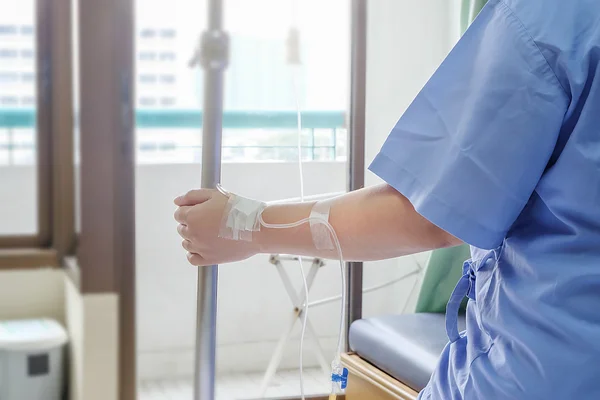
x,y
501,149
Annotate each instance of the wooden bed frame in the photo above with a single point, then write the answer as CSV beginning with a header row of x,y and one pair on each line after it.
x,y
365,381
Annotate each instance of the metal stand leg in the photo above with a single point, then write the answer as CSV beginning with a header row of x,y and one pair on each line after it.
x,y
299,303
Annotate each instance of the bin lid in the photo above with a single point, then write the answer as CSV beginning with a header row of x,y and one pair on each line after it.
x,y
31,334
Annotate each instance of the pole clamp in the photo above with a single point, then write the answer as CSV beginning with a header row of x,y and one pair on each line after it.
x,y
214,50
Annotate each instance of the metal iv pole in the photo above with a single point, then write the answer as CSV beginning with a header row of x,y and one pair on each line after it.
x,y
356,156
213,57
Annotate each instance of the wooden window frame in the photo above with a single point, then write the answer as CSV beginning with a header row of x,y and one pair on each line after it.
x,y
106,245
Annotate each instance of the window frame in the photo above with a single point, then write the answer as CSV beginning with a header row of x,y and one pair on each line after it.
x,y
105,256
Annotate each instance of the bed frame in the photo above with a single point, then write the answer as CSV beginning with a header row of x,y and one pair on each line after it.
x,y
365,381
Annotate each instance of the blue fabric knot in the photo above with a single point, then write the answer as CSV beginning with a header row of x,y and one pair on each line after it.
x,y
469,271
464,287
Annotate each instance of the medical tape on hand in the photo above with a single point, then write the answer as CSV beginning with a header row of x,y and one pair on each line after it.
x,y
240,218
319,219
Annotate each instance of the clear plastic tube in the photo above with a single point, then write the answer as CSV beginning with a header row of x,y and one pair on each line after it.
x,y
300,263
338,248
294,58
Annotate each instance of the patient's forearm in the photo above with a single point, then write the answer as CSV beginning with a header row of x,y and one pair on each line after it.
x,y
372,224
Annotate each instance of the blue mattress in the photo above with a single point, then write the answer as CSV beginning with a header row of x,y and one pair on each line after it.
x,y
406,347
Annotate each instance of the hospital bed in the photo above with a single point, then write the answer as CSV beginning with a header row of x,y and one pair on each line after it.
x,y
393,356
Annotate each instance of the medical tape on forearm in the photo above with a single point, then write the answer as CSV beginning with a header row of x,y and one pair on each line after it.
x,y
319,221
240,218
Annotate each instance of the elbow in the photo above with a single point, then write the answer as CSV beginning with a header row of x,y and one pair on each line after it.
x,y
448,240
440,238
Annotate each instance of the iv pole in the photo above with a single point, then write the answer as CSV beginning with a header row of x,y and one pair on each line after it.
x,y
213,56
356,147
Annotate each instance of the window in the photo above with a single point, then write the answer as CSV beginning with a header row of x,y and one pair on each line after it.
x,y
147,101
146,78
167,79
8,77
26,30
27,54
28,101
167,101
148,33
8,29
167,56
259,116
167,33
20,212
27,77
147,56
258,82
8,53
9,100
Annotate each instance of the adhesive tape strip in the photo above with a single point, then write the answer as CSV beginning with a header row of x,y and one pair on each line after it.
x,y
319,219
241,218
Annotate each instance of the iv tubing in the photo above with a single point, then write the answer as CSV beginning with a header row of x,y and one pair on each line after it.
x,y
295,59
338,248
305,284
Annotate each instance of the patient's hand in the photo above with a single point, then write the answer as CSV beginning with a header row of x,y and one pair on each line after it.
x,y
199,214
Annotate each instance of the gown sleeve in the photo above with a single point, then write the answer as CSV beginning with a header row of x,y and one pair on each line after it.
x,y
471,148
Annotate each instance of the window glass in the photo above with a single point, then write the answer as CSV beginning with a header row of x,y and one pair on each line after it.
x,y
259,156
18,174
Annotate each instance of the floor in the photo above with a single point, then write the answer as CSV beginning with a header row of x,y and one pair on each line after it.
x,y
240,386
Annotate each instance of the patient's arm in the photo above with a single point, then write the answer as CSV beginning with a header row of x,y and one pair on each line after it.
x,y
372,224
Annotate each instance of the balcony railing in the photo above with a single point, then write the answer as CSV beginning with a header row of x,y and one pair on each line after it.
x,y
165,136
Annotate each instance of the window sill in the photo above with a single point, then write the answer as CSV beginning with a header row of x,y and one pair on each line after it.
x,y
28,258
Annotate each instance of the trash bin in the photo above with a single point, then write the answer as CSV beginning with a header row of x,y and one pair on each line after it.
x,y
31,359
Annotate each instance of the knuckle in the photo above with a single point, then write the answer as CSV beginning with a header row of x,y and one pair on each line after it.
x,y
190,258
180,214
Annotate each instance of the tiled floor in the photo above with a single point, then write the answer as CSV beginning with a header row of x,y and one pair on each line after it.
x,y
240,386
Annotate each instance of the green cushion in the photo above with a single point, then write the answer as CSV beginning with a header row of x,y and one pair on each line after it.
x,y
441,276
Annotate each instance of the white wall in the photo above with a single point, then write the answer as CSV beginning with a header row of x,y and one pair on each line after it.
x,y
407,40
92,323
32,294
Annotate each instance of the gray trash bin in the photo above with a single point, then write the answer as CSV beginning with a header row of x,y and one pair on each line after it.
x,y
31,359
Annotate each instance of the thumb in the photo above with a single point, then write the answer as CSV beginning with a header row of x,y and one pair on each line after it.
x,y
194,197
